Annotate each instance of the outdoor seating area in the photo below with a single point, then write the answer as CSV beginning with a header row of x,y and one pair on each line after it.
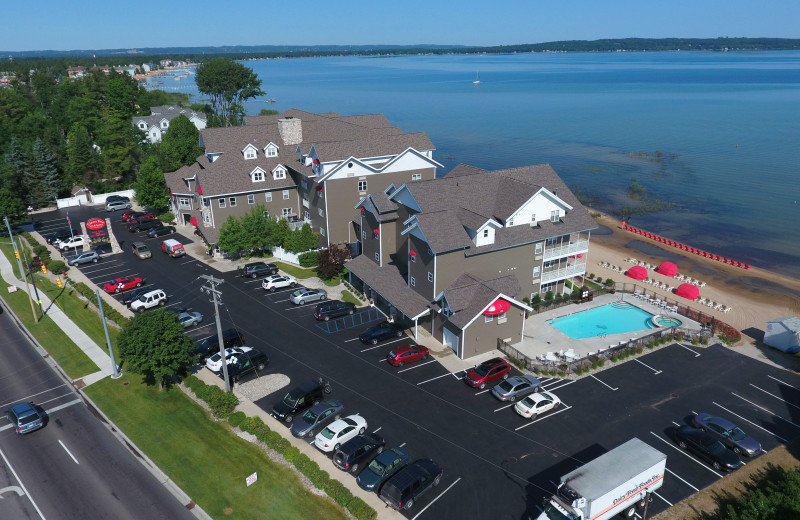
x,y
659,269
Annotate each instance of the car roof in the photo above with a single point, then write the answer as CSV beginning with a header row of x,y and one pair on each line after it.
x,y
325,405
493,362
719,421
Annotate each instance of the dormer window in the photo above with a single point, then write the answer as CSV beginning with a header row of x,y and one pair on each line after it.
x,y
278,173
554,215
271,150
250,152
143,126
258,176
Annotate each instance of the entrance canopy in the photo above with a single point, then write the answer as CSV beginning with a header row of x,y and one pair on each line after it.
x,y
667,269
688,291
637,272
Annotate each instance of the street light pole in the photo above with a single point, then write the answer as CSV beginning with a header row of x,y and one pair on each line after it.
x,y
21,271
216,295
114,366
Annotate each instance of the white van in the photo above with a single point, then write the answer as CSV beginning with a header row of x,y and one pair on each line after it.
x,y
148,300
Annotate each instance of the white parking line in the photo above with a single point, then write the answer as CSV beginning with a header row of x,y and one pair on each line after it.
x,y
543,418
751,422
504,407
682,480
783,383
768,411
648,366
696,354
679,450
775,396
21,484
662,498
417,365
611,387
435,499
435,378
483,391
379,429
68,452
562,386
371,348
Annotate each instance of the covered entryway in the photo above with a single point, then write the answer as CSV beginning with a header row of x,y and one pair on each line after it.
x,y
450,339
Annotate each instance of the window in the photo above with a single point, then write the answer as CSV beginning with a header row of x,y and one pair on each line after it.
x,y
413,258
430,276
549,263
501,318
258,176
184,203
416,176
554,216
280,173
536,272
250,154
232,201
539,248
485,233
510,222
285,194
412,281
272,151
222,202
363,235
206,217
362,185
269,197
321,212
286,212
487,318
304,184
377,256
322,231
533,218
251,199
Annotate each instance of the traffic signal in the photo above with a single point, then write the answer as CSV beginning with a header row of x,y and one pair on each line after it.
x,y
16,253
60,283
44,269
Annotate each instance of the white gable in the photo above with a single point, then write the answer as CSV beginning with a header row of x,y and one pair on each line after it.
x,y
540,207
409,160
279,172
249,152
402,195
485,234
271,150
258,174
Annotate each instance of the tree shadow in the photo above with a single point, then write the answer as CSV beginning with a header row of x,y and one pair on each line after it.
x,y
727,502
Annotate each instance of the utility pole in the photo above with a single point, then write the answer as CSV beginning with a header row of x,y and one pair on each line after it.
x,y
114,367
211,288
21,271
30,271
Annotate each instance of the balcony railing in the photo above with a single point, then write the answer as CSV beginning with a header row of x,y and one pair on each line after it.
x,y
581,246
564,272
295,222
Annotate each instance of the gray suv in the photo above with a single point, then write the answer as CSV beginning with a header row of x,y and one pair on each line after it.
x,y
25,418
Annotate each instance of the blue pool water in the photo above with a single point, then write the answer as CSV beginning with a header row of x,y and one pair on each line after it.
x,y
613,318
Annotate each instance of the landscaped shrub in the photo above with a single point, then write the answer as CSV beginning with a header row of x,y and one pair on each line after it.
x,y
319,477
291,453
236,418
359,509
40,250
281,445
221,403
166,217
190,381
110,312
303,463
338,492
271,439
57,267
728,334
308,259
251,424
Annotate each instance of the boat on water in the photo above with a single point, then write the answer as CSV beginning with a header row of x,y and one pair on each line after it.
x,y
477,79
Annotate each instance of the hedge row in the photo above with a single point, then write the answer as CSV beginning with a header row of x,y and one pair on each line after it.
x,y
110,312
308,259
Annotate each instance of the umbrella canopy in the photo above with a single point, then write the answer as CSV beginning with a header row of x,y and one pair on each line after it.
x,y
667,269
637,272
688,291
499,306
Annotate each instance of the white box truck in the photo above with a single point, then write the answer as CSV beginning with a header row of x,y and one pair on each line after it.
x,y
614,483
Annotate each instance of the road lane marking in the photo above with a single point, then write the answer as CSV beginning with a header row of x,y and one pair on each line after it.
x,y
648,366
435,378
768,411
543,418
696,354
435,499
784,383
7,405
21,484
751,422
679,450
775,396
611,387
68,452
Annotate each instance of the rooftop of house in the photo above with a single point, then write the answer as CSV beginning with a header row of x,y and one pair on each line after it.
x,y
467,296
168,112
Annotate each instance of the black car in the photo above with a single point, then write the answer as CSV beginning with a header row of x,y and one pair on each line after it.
x,y
298,400
115,198
380,332
159,230
250,362
333,309
707,448
102,248
144,224
209,345
134,295
255,269
354,453
410,483
62,235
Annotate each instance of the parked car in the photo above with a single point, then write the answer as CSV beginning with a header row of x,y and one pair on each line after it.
x,y
380,332
84,258
339,432
256,269
73,242
278,281
160,230
143,225
113,198
728,433
25,418
302,296
189,319
64,234
127,215
102,248
316,417
115,205
134,295
298,400
141,217
354,453
210,344
149,300
173,248
410,483
249,362
403,354
382,467
123,284
214,363
487,372
707,448
141,250
333,309
537,403
516,387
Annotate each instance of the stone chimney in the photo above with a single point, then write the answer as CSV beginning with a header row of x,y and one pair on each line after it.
x,y
290,130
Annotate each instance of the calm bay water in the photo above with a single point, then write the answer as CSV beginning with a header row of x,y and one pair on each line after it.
x,y
727,126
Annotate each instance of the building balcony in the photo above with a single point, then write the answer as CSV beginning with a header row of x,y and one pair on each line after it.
x,y
564,272
295,222
573,248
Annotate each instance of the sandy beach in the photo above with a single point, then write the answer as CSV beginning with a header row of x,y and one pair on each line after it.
x,y
754,295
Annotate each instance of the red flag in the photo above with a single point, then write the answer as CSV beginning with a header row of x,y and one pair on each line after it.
x,y
199,188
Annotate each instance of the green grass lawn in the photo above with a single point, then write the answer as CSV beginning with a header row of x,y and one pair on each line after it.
x,y
203,457
347,296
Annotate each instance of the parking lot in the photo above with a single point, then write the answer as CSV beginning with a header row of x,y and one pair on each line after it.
x,y
496,464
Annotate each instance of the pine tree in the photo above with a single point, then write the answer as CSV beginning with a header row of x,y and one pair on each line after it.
x,y
46,174
81,165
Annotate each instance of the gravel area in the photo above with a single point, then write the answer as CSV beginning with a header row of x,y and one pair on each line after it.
x,y
259,387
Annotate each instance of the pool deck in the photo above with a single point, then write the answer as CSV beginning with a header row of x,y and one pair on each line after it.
x,y
541,338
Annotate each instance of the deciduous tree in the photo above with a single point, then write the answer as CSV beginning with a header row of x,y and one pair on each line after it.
x,y
180,146
229,85
151,190
154,345
232,238
331,261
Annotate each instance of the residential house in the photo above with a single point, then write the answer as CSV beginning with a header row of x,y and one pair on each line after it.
x,y
76,72
157,123
305,167
459,255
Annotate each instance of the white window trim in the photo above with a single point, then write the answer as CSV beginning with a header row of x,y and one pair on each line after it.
x,y
222,202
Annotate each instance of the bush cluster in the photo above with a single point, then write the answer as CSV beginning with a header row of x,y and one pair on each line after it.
x,y
308,259
221,403
167,217
57,267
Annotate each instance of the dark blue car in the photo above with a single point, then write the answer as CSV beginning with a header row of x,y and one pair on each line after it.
x,y
380,332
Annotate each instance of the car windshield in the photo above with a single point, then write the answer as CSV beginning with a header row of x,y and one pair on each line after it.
x,y
298,293
376,467
310,416
290,400
528,401
215,357
716,448
736,434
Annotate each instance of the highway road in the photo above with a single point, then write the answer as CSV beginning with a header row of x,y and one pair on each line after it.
x,y
74,467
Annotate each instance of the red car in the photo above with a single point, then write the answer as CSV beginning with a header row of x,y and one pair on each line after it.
x,y
123,284
487,372
399,356
144,217
128,214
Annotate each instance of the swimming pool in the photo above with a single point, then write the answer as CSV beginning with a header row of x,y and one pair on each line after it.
x,y
613,318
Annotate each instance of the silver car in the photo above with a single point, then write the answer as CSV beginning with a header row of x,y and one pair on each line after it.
x,y
515,387
114,205
25,418
301,296
84,258
188,319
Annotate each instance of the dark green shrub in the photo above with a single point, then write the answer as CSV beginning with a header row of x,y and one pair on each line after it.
x,y
236,418
206,392
251,424
271,439
57,267
221,403
308,259
338,492
320,478
303,463
281,445
166,217
190,381
290,454
359,509
40,250
261,433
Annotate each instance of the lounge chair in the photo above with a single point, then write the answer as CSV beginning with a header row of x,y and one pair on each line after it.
x,y
727,309
672,308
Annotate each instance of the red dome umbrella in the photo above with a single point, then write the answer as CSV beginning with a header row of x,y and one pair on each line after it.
x,y
499,306
637,272
667,269
688,291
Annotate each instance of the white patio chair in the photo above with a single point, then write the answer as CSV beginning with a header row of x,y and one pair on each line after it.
x,y
727,309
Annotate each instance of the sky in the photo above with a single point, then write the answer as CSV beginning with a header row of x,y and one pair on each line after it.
x,y
91,25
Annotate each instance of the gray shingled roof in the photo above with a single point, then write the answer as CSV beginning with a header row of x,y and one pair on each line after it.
x,y
168,112
468,296
389,284
443,230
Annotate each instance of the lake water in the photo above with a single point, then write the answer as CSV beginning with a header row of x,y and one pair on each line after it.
x,y
727,126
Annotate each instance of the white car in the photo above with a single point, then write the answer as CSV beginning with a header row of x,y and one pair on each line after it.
x,y
339,432
214,362
72,242
278,281
149,300
537,403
